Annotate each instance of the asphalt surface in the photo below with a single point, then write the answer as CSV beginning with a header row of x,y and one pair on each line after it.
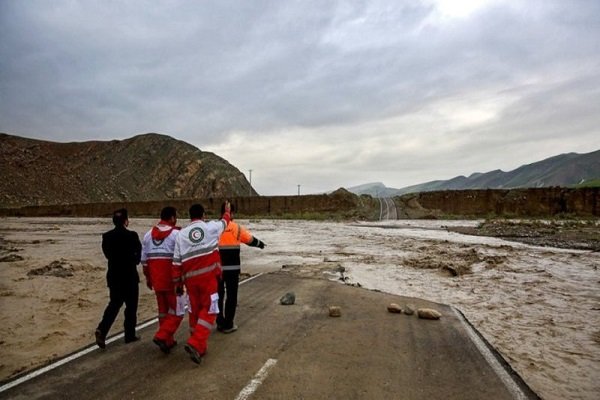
x,y
387,209
297,352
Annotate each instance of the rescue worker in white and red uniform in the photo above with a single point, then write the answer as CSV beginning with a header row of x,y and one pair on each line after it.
x,y
157,261
197,265
229,249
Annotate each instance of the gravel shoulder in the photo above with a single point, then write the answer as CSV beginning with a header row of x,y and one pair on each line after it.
x,y
570,234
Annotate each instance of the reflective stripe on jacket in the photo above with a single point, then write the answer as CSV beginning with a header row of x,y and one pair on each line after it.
x,y
157,260
196,250
229,245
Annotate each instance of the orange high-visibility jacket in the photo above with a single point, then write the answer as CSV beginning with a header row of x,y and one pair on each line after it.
x,y
229,245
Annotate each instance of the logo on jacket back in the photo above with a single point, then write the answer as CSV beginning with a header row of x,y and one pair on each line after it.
x,y
196,235
157,242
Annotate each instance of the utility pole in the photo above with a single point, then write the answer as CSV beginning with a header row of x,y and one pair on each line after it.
x,y
250,175
298,190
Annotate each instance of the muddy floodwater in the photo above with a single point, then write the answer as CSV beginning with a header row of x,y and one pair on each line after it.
x,y
538,306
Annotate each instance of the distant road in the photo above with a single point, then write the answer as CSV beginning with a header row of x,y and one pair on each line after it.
x,y
387,209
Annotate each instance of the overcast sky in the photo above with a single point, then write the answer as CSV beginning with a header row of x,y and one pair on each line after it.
x,y
322,94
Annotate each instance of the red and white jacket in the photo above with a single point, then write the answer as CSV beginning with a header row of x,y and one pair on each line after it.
x,y
196,254
158,246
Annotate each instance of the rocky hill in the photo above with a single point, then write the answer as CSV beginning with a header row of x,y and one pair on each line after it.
x,y
142,168
565,170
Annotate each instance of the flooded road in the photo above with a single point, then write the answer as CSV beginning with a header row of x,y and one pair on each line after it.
x,y
540,307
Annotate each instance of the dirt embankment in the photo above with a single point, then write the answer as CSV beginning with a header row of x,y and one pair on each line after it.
x,y
340,204
509,203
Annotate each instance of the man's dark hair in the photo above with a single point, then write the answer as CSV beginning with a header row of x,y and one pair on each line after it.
x,y
196,211
168,212
223,208
120,217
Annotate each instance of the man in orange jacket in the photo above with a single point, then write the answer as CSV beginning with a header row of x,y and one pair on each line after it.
x,y
158,246
197,265
229,249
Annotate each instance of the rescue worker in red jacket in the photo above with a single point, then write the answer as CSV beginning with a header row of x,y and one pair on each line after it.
x,y
197,265
158,246
229,249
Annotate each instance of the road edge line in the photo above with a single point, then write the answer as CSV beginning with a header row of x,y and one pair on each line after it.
x,y
258,379
513,387
80,353
67,359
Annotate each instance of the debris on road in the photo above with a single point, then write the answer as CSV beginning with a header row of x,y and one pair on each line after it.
x,y
288,299
428,313
335,311
394,308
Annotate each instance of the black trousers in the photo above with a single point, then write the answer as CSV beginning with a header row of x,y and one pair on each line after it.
x,y
229,284
122,293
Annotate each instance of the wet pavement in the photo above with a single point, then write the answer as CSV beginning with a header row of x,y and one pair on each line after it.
x,y
298,352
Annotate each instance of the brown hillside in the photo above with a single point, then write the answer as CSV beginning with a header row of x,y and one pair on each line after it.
x,y
142,168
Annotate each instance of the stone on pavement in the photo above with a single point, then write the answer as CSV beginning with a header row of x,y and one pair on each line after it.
x,y
428,313
288,299
394,308
335,311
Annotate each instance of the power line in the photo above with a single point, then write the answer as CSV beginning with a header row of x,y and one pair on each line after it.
x,y
250,178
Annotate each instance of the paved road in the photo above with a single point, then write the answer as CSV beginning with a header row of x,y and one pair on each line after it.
x,y
387,209
298,352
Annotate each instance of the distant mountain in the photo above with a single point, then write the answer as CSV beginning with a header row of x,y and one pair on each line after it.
x,y
376,189
565,170
144,167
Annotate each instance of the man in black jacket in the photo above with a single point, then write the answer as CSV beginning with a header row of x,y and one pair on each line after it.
x,y
122,249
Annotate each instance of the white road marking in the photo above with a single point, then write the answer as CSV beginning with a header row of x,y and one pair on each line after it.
x,y
258,379
68,359
493,362
83,352
251,278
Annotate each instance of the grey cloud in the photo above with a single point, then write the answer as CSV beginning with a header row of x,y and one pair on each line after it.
x,y
200,71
